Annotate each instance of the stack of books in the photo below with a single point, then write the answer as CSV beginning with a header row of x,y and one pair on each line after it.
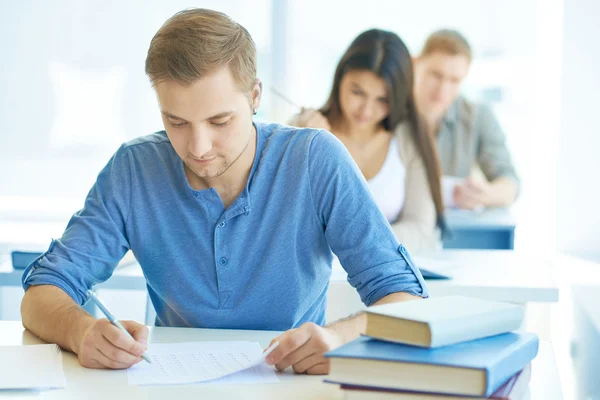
x,y
444,348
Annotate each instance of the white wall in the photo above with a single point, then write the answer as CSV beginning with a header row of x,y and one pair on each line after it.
x,y
578,183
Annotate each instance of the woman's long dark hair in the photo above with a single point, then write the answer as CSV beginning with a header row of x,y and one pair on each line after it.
x,y
385,54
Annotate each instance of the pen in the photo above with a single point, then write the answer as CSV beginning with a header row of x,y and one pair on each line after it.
x,y
270,349
284,98
112,319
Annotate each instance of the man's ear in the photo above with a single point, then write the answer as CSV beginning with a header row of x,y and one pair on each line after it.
x,y
256,94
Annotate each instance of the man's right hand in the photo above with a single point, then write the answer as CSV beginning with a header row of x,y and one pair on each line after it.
x,y
472,194
103,345
311,118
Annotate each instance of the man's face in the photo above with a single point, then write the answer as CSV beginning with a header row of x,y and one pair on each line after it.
x,y
438,77
209,122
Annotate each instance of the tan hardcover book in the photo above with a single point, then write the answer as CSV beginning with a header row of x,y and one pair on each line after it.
x,y
442,321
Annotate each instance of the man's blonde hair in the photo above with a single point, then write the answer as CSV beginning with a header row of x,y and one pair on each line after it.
x,y
447,41
195,42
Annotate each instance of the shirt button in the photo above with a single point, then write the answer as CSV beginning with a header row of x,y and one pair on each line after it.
x,y
222,224
223,261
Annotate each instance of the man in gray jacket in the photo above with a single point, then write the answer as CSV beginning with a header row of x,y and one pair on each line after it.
x,y
467,134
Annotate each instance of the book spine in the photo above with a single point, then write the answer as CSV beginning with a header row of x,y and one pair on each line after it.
x,y
511,361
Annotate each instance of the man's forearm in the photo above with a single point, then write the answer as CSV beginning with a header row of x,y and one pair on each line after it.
x,y
51,314
352,327
503,192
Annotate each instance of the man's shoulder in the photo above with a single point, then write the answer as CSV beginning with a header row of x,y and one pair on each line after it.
x,y
472,113
464,109
286,133
149,146
154,139
301,143
285,138
472,108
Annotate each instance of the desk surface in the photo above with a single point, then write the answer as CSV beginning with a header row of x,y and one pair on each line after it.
x,y
126,277
503,275
85,383
500,218
494,274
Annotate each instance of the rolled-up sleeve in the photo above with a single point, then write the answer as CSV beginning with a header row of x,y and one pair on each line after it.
x,y
493,155
355,228
95,238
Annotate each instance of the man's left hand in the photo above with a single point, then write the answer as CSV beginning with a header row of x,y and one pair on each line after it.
x,y
303,349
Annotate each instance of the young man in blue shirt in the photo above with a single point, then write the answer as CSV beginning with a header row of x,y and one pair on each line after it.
x,y
232,222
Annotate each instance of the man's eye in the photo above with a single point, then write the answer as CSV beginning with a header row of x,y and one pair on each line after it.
x,y
220,124
177,123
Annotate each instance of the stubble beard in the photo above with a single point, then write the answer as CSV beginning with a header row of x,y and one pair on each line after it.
x,y
204,173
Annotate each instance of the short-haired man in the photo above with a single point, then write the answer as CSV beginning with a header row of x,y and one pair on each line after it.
x,y
467,134
232,222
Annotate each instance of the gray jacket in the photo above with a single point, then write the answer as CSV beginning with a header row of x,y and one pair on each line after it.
x,y
470,135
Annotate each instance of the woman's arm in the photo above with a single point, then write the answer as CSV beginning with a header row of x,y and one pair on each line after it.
x,y
310,118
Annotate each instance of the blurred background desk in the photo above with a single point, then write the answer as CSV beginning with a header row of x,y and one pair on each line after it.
x,y
502,275
488,229
491,274
128,276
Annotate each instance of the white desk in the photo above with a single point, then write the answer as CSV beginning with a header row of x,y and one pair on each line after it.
x,y
496,274
90,384
502,275
492,274
126,277
583,278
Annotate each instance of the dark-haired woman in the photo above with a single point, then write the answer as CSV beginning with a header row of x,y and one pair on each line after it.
x,y
371,109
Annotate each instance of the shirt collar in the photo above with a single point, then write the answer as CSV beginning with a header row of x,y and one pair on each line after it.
x,y
451,116
243,204
260,142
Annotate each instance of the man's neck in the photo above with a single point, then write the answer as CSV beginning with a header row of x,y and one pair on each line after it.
x,y
354,135
433,122
431,118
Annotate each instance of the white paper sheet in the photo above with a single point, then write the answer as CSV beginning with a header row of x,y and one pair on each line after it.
x,y
195,362
31,367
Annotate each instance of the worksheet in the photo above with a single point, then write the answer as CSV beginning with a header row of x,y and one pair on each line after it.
x,y
38,366
195,362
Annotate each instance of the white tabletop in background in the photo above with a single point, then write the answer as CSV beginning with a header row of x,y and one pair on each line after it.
x,y
503,275
493,218
90,384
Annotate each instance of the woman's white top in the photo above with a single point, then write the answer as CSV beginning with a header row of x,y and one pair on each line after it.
x,y
388,186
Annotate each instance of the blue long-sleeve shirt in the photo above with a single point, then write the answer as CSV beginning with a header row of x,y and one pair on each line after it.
x,y
262,263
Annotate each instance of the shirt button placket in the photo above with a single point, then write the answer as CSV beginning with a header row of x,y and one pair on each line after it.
x,y
223,260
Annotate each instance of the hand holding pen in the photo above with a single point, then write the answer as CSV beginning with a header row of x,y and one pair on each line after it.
x,y
113,344
307,117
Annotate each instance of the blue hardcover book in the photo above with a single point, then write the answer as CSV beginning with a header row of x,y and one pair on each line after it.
x,y
474,368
